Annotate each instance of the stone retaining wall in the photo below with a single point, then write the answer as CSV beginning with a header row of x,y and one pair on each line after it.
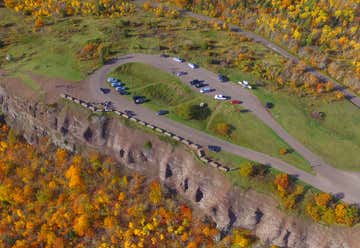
x,y
200,152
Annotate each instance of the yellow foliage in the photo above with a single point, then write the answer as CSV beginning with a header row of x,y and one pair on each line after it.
x,y
73,174
81,224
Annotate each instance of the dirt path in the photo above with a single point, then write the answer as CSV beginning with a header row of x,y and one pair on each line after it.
x,y
327,178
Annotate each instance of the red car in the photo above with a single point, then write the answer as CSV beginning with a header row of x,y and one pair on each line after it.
x,y
235,102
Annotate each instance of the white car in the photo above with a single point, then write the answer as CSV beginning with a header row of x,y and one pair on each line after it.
x,y
221,97
193,66
117,84
245,84
112,80
179,60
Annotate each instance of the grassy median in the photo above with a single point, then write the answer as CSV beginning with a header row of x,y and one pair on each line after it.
x,y
166,91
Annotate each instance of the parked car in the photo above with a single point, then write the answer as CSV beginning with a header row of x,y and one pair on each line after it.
x,y
129,112
180,73
107,106
112,80
163,55
200,85
122,92
245,84
223,78
235,102
162,112
139,99
214,148
120,88
107,103
195,81
193,66
117,84
269,105
221,97
105,90
179,60
206,90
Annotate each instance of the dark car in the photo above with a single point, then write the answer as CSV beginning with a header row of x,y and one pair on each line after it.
x,y
129,112
122,92
195,81
139,99
223,78
214,148
105,90
200,85
269,105
162,112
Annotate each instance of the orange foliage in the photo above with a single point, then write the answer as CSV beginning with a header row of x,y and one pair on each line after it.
x,y
322,199
223,129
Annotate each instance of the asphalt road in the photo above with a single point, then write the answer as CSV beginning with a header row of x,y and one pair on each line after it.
x,y
352,97
327,178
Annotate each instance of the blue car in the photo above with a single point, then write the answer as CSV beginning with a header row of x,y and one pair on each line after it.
x,y
122,92
206,90
105,90
195,81
214,148
120,88
200,85
162,112
139,99
223,78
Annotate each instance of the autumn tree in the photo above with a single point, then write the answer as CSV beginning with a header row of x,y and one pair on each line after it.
x,y
323,199
224,129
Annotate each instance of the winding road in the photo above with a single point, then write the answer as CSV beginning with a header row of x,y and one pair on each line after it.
x,y
349,95
327,178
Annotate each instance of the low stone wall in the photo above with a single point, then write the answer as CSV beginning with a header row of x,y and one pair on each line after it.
x,y
200,152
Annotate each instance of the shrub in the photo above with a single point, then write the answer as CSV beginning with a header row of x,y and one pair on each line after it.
x,y
247,170
193,112
251,169
328,216
282,183
322,199
197,112
148,145
147,6
224,129
39,23
339,95
283,151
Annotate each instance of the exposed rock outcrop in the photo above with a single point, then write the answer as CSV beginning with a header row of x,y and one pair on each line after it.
x,y
74,127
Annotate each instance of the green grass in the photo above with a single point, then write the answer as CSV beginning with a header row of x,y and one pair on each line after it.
x,y
49,53
336,138
52,51
166,91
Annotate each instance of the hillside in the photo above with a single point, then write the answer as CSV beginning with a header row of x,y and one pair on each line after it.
x,y
325,34
50,197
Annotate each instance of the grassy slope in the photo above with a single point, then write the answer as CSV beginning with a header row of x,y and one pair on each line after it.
x,y
336,139
165,91
44,54
52,52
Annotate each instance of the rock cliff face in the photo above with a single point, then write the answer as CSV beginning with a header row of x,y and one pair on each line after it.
x,y
73,127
